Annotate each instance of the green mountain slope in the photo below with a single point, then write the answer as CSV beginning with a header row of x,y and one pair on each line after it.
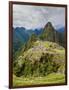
x,y
42,58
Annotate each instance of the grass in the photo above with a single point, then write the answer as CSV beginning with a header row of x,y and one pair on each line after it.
x,y
50,79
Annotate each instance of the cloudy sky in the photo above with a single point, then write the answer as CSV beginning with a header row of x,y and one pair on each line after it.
x,y
37,16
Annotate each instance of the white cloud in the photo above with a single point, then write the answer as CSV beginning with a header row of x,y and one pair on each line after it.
x,y
37,16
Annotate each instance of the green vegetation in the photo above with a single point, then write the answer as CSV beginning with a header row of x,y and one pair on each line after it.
x,y
52,78
41,60
30,42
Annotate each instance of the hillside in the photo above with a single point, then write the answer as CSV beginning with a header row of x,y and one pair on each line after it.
x,y
42,58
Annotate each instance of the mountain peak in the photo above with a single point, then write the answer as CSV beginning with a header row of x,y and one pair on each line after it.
x,y
49,24
49,33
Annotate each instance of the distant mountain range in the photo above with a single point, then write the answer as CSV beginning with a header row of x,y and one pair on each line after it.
x,y
60,29
21,35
